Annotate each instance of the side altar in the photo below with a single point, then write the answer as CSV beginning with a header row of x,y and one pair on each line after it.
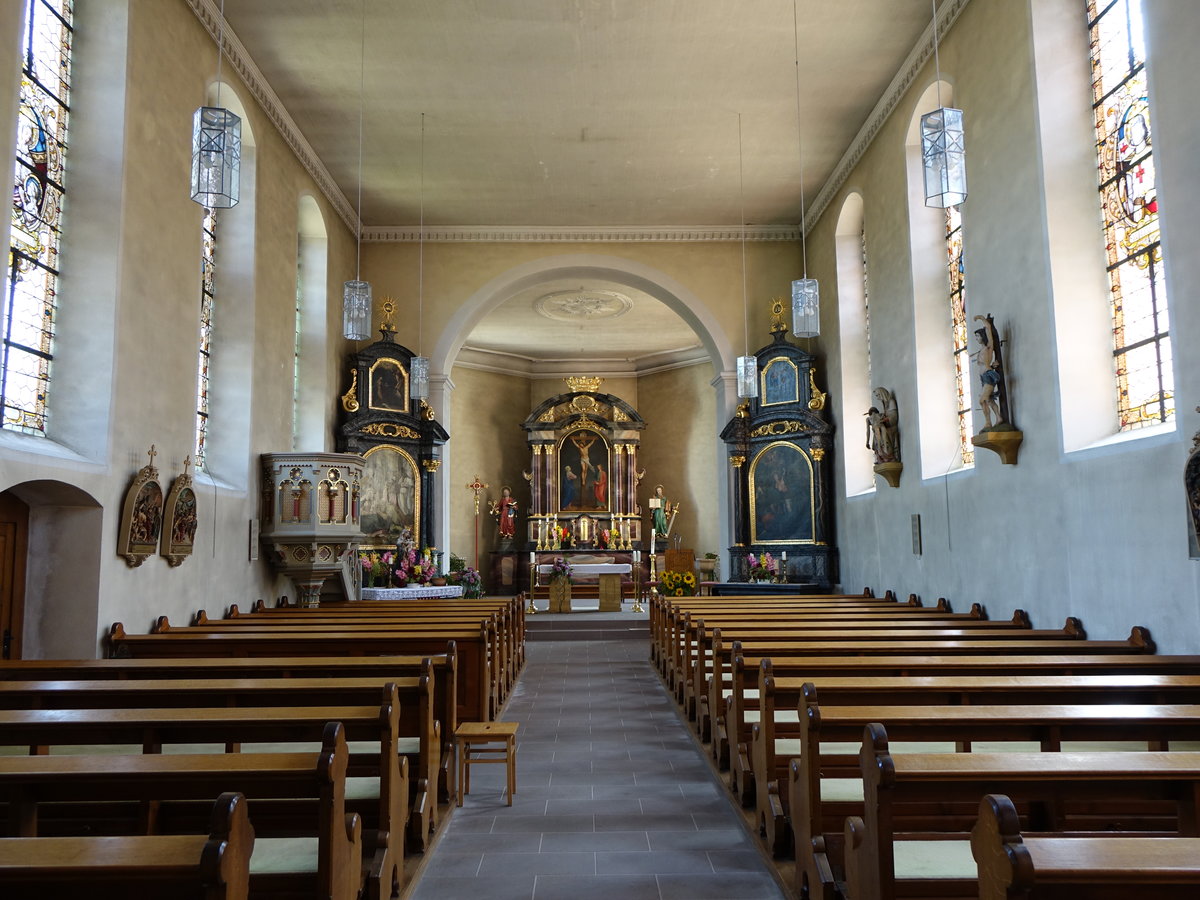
x,y
779,446
396,434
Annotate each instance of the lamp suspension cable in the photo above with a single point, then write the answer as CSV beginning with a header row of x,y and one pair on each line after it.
x,y
362,81
800,141
220,49
742,196
421,249
937,65
806,292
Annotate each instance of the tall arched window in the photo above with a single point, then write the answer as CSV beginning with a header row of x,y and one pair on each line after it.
x,y
1129,201
31,281
943,408
854,335
312,375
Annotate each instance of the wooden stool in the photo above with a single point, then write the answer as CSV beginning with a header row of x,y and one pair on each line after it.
x,y
467,739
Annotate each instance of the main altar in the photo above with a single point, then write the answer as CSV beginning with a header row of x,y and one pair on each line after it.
x,y
583,481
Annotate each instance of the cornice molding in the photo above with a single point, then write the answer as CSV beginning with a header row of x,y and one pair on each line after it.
x,y
502,234
907,73
500,363
209,15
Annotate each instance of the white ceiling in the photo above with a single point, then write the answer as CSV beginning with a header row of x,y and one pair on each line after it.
x,y
579,114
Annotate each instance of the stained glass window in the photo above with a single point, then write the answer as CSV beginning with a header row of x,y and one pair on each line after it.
x,y
31,281
1129,203
866,307
208,249
296,348
958,318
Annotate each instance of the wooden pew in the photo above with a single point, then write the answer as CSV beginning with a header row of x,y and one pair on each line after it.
x,y
507,614
1011,867
737,733
696,651
478,694
296,796
775,724
162,867
36,731
693,657
1078,793
830,738
730,693
195,677
417,740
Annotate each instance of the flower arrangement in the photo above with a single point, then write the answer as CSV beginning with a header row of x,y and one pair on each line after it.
x,y
560,569
469,578
560,535
414,568
763,567
376,568
678,584
605,538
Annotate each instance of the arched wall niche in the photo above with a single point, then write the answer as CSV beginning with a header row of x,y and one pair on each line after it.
x,y
62,570
937,412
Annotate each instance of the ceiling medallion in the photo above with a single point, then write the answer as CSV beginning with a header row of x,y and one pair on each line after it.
x,y
573,305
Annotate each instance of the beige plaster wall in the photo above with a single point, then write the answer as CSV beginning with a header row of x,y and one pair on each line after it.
x,y
485,440
1099,533
680,451
130,280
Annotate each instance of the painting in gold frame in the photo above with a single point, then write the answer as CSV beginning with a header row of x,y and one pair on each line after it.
x,y
781,495
391,495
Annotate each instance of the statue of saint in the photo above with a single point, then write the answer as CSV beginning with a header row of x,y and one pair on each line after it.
x,y
883,427
991,373
505,511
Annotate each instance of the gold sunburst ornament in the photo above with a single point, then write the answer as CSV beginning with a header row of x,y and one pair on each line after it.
x,y
777,324
389,312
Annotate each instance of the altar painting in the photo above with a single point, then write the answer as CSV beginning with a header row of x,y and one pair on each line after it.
x,y
781,495
583,472
391,495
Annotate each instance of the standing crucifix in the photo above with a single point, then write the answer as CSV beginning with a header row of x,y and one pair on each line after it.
x,y
477,486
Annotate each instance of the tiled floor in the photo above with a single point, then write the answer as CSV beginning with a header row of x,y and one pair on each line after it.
x,y
613,798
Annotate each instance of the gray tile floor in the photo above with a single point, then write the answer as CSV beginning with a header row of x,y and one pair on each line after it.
x,y
613,798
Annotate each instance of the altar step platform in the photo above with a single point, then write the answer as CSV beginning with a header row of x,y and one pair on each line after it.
x,y
584,624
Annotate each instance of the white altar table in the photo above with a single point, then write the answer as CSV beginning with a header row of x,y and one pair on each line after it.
x,y
412,593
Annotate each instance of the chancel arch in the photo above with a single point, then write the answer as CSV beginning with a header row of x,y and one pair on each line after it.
x,y
717,343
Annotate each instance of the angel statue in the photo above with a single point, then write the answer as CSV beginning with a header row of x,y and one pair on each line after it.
x,y
883,427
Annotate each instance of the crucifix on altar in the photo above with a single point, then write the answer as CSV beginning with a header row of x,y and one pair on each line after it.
x,y
476,485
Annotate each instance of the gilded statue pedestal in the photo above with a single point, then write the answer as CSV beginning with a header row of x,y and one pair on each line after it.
x,y
890,472
1004,441
610,593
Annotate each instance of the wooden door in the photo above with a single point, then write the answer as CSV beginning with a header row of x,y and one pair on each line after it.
x,y
14,542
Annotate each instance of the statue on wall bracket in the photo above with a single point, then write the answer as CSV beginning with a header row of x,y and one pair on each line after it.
x,y
1191,484
883,435
999,434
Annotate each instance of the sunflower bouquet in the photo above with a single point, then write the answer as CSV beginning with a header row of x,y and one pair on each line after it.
x,y
678,584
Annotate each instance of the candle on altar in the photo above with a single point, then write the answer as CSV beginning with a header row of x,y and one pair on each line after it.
x,y
652,538
532,557
784,555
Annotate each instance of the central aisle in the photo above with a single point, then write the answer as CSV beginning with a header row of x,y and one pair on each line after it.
x,y
613,798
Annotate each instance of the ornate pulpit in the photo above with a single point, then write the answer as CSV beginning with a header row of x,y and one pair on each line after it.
x,y
779,447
